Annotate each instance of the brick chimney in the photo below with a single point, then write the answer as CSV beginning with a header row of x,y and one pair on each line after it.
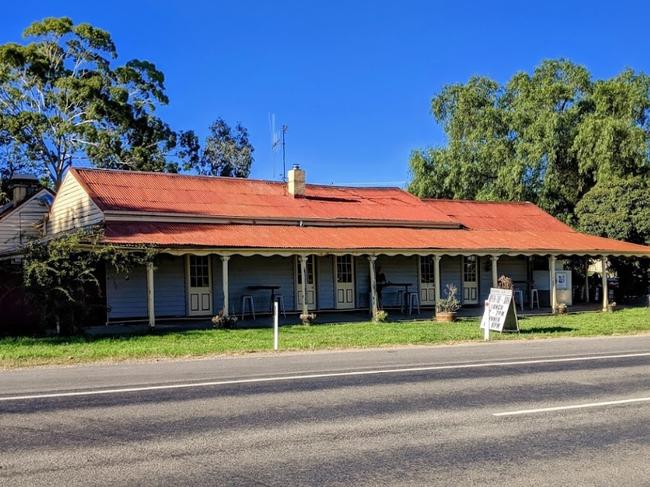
x,y
296,181
23,186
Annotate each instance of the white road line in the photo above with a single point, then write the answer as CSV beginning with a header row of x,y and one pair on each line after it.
x,y
574,406
258,380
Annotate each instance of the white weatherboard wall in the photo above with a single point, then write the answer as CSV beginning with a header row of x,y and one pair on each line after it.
x,y
72,208
22,224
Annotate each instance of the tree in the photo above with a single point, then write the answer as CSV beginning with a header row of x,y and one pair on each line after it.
x,y
224,153
546,137
62,101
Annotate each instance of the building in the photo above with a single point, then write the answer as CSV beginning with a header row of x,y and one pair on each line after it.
x,y
223,243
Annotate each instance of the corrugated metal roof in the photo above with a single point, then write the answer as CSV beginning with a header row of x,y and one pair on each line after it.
x,y
248,198
341,238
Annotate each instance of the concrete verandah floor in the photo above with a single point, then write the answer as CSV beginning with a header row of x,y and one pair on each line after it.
x,y
322,317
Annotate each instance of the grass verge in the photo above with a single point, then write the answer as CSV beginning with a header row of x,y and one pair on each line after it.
x,y
22,352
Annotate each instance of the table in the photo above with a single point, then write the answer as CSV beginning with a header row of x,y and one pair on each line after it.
x,y
271,288
405,285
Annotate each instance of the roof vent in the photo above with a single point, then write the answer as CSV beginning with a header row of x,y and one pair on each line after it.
x,y
296,181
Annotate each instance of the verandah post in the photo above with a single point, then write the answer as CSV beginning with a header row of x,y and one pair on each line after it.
x,y
603,261
436,276
224,282
151,313
373,286
553,285
303,283
495,271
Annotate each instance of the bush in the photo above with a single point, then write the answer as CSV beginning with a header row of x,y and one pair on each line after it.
x,y
449,304
223,320
381,316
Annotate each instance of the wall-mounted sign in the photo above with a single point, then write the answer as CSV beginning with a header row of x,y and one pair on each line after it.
x,y
562,279
500,313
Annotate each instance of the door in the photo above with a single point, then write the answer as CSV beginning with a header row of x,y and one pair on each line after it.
x,y
344,282
199,285
311,286
427,281
470,280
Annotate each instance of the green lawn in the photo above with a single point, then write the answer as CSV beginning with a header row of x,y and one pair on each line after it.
x,y
20,352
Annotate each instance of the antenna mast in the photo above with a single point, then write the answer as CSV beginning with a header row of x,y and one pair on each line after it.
x,y
276,141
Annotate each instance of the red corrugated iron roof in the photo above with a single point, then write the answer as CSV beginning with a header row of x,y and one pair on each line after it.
x,y
359,238
501,215
249,198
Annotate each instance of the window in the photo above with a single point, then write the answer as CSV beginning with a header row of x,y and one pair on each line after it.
x,y
199,271
469,269
426,270
344,268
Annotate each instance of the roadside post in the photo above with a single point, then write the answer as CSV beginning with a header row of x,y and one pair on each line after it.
x,y
276,328
486,329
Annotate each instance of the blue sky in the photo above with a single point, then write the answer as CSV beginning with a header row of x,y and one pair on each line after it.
x,y
352,80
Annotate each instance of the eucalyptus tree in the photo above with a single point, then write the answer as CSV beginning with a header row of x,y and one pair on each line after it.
x,y
63,101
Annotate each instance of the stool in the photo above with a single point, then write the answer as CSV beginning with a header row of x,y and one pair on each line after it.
x,y
534,296
518,293
280,300
413,301
401,300
247,298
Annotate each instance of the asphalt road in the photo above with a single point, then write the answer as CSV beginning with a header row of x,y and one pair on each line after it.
x,y
422,416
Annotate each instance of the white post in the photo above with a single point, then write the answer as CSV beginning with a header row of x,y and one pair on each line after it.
x,y
436,277
553,285
224,281
303,287
373,286
150,296
587,280
276,327
603,261
495,271
486,330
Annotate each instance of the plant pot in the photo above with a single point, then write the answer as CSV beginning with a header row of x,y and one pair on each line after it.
x,y
446,316
611,307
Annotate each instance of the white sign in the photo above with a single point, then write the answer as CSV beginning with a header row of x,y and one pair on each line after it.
x,y
500,313
562,279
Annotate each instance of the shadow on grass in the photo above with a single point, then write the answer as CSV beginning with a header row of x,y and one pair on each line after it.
x,y
547,329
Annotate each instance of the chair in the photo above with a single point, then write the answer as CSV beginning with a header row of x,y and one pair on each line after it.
x,y
518,293
413,301
280,300
534,296
247,298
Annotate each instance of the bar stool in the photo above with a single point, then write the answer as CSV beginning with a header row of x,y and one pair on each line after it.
x,y
534,296
280,300
413,301
247,298
518,293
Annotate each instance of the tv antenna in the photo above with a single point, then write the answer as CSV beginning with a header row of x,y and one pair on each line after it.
x,y
279,140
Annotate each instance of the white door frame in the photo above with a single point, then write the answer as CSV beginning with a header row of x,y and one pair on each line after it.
x,y
199,299
344,291
470,288
427,289
312,300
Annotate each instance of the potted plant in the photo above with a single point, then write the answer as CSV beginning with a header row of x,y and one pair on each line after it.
x,y
381,316
611,307
223,320
446,308
308,318
562,309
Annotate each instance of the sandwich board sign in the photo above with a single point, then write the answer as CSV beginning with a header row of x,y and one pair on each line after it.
x,y
500,312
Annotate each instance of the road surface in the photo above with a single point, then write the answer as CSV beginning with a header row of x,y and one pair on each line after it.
x,y
548,412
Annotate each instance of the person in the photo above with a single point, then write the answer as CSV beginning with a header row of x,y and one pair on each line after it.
x,y
381,284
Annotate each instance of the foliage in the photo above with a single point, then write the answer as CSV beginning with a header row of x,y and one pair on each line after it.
x,y
307,318
505,282
617,208
381,316
223,320
448,304
61,101
547,137
61,275
225,152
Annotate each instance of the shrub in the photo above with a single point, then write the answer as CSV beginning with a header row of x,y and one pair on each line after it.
x,y
381,316
223,320
449,304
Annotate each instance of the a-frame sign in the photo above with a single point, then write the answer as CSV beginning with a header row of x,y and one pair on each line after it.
x,y
500,311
